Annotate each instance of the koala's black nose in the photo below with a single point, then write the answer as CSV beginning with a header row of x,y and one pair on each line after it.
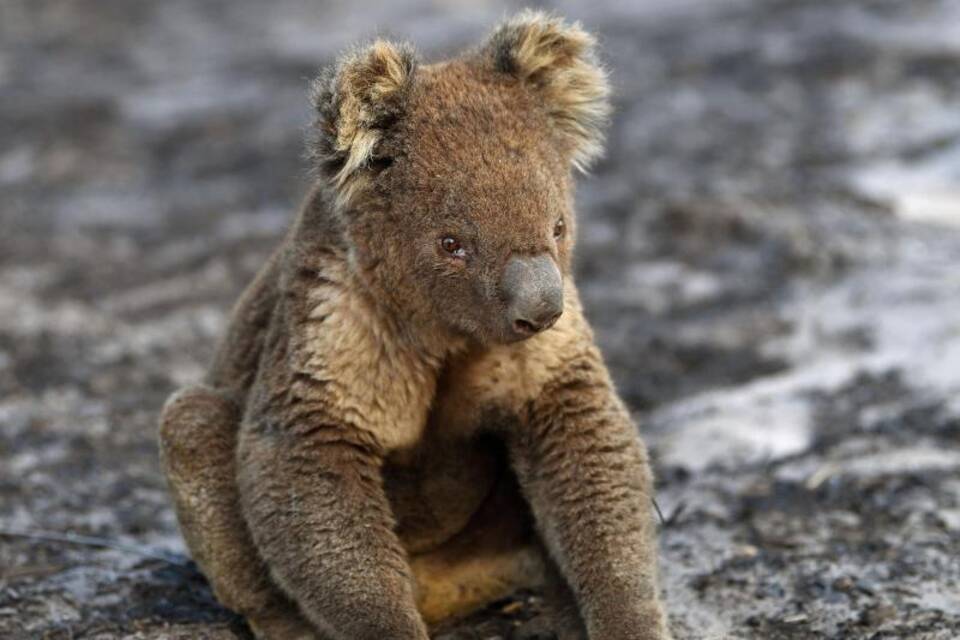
x,y
533,288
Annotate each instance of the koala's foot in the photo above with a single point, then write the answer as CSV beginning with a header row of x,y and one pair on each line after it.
x,y
198,432
560,604
282,623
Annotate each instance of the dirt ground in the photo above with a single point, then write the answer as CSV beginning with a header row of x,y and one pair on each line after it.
x,y
769,253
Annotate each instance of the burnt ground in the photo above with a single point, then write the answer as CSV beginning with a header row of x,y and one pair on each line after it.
x,y
769,253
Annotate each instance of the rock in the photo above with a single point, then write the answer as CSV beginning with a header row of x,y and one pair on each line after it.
x,y
877,614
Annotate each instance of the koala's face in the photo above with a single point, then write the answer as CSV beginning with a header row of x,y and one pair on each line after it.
x,y
455,178
479,201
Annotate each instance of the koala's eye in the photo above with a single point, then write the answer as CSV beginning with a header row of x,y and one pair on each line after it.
x,y
453,247
559,229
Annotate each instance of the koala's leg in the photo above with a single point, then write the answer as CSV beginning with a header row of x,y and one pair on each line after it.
x,y
586,475
495,555
198,432
313,498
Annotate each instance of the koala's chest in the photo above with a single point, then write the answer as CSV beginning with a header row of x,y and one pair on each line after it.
x,y
438,485
475,387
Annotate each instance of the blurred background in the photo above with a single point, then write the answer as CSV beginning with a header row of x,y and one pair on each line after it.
x,y
770,253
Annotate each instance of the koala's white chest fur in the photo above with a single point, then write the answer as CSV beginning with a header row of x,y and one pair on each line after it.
x,y
382,385
369,378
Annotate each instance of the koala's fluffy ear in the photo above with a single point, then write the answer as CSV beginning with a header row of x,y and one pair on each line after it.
x,y
557,60
356,102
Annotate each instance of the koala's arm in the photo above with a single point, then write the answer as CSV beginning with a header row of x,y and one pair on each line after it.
x,y
586,475
313,500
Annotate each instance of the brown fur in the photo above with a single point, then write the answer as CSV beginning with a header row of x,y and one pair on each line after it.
x,y
374,452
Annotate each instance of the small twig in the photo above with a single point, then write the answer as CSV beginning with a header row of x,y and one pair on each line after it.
x,y
659,513
92,541
31,572
674,517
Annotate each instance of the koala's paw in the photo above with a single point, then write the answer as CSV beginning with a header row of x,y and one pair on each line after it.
x,y
648,624
282,628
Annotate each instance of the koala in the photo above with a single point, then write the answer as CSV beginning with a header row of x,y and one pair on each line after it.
x,y
408,417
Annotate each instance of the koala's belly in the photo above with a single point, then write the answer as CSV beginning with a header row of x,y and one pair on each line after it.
x,y
436,489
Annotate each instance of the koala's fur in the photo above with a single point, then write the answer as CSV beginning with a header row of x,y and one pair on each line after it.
x,y
373,452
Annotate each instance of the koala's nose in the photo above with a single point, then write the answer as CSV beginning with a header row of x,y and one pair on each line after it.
x,y
533,288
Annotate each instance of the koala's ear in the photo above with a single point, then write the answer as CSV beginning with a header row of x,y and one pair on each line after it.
x,y
557,60
355,103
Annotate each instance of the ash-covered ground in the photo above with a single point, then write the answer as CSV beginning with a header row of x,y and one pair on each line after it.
x,y
770,253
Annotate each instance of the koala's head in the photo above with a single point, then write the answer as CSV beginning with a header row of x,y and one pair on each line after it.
x,y
453,180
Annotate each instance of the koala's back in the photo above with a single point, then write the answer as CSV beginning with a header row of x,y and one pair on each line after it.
x,y
236,361
238,357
